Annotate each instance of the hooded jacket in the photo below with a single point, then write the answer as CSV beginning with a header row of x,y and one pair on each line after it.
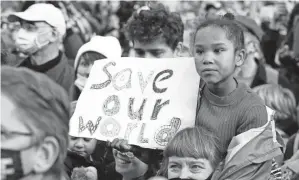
x,y
108,46
250,154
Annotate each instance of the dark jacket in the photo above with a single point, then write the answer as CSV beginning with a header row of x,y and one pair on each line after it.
x,y
75,93
74,160
113,175
290,147
57,69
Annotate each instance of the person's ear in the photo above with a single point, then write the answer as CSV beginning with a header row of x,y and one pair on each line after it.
x,y
178,50
46,155
240,57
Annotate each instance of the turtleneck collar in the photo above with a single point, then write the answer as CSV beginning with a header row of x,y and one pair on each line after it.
x,y
231,98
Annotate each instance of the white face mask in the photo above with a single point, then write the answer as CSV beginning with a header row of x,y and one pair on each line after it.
x,y
30,42
80,81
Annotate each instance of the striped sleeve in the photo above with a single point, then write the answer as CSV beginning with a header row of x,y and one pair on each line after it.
x,y
253,118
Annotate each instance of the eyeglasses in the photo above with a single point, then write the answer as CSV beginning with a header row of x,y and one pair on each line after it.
x,y
31,27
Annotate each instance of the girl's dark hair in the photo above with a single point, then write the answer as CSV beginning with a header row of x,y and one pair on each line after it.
x,y
228,23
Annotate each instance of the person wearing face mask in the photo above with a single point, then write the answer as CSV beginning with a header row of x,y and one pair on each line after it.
x,y
99,47
34,127
42,28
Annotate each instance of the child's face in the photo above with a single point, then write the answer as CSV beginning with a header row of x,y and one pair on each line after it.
x,y
215,56
129,166
84,68
189,168
155,49
82,146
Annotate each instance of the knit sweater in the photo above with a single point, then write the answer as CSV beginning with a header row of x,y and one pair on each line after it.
x,y
231,115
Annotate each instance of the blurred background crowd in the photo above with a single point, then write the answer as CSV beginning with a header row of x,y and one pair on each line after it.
x,y
271,22
86,19
96,30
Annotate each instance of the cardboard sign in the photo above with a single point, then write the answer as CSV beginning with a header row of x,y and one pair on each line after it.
x,y
145,101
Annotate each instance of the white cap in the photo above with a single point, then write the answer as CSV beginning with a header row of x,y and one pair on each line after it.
x,y
108,46
42,12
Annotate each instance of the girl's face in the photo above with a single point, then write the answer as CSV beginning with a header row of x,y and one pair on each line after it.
x,y
215,56
189,168
128,165
82,146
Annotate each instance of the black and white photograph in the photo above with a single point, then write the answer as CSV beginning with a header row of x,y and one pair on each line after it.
x,y
149,90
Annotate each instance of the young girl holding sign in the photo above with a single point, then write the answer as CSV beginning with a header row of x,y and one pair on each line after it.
x,y
225,105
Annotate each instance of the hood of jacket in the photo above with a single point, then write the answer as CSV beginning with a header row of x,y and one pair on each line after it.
x,y
106,45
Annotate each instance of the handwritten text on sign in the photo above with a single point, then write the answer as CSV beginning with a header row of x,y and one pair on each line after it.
x,y
145,101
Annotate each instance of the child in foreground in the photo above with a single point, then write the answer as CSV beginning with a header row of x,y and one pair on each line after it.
x,y
193,153
228,107
79,162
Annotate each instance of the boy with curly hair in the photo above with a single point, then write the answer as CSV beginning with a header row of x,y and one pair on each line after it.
x,y
155,32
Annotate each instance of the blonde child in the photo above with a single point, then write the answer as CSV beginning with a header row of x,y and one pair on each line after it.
x,y
193,153
282,100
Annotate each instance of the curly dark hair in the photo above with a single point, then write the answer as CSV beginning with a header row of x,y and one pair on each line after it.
x,y
228,23
148,25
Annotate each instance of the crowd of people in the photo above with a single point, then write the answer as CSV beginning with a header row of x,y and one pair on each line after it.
x,y
246,54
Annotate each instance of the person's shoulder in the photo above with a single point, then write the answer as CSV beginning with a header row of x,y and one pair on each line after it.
x,y
249,93
65,61
250,97
67,69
